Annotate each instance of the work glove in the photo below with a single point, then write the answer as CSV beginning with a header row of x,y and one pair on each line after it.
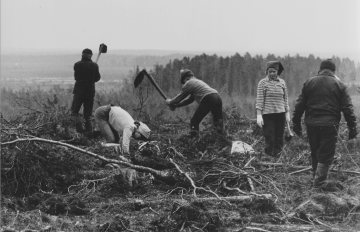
x,y
352,133
297,129
287,116
260,120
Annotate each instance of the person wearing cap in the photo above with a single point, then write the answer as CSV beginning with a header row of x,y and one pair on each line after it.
x,y
272,108
323,98
86,73
208,99
114,120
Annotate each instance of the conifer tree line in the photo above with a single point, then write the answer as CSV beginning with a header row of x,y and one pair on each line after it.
x,y
239,75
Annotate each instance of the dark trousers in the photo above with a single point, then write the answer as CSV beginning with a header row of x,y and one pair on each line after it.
x,y
210,103
273,131
78,101
322,144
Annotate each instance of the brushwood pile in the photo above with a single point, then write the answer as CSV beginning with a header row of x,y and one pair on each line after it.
x,y
175,182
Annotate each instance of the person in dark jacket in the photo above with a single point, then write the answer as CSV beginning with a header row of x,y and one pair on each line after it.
x,y
323,98
86,73
208,99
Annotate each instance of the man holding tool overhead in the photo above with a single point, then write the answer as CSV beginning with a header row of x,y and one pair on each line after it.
x,y
86,73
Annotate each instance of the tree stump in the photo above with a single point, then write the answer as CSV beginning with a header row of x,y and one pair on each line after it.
x,y
126,177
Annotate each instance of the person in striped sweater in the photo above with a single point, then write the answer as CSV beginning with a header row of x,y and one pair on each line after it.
x,y
272,108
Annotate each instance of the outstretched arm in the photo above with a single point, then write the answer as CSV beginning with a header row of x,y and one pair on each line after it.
x,y
299,109
127,133
347,109
185,102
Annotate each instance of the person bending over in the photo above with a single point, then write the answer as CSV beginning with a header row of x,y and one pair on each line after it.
x,y
114,120
208,99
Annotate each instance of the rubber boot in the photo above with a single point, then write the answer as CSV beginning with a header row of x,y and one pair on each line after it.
x,y
88,126
88,129
321,174
78,125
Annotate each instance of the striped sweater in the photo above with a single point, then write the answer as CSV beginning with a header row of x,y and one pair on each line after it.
x,y
272,96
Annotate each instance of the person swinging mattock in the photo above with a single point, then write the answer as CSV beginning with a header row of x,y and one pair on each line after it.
x,y
208,99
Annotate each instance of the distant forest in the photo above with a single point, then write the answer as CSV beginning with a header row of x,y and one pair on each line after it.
x,y
239,75
234,75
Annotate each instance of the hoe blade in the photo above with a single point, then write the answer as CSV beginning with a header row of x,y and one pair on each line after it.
x,y
139,78
103,48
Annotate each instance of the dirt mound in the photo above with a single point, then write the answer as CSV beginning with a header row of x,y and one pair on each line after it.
x,y
336,204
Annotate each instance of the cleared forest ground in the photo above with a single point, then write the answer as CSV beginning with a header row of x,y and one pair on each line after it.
x,y
173,183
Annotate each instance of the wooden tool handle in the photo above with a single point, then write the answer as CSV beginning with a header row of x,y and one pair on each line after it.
x,y
100,49
155,84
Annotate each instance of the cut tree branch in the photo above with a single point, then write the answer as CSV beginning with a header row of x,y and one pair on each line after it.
x,y
156,173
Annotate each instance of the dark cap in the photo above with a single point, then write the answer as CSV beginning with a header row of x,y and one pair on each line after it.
x,y
276,65
185,73
328,64
87,51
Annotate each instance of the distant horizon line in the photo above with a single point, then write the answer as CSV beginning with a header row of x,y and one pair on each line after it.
x,y
323,55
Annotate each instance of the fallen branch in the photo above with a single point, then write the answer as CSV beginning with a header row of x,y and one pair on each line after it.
x,y
306,168
205,199
288,227
300,171
281,164
165,174
242,192
247,176
291,212
234,198
193,183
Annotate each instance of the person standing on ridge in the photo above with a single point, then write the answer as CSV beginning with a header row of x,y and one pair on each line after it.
x,y
86,73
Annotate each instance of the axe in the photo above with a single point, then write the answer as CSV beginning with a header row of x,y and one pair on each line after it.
x,y
140,77
102,49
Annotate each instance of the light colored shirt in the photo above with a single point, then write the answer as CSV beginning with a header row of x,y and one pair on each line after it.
x,y
194,87
272,96
123,123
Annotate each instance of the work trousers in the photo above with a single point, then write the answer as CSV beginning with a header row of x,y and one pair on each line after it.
x,y
102,120
87,101
273,131
322,140
210,103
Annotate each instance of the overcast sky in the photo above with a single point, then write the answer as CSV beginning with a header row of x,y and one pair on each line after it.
x,y
320,27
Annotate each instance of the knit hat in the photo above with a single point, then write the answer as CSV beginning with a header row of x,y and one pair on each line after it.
x,y
87,53
276,65
143,129
185,73
327,64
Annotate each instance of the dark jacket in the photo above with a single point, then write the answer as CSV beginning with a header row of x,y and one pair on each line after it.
x,y
323,98
86,73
